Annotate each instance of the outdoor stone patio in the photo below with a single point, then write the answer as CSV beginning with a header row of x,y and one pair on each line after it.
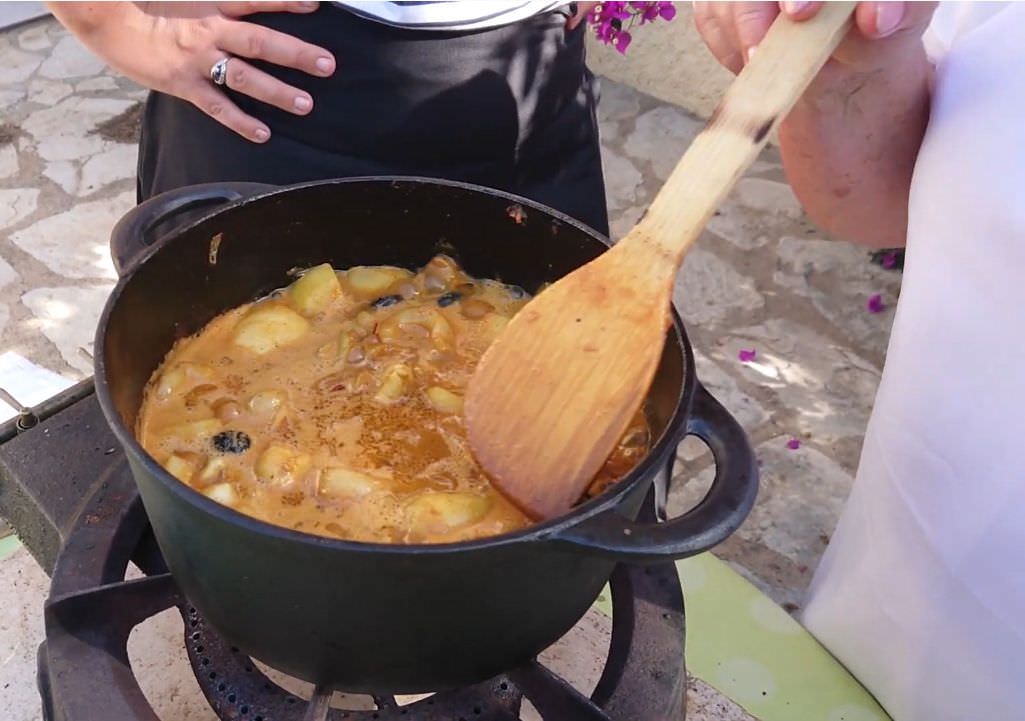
x,y
760,278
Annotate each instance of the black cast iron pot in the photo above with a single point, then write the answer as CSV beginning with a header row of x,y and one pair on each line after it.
x,y
371,617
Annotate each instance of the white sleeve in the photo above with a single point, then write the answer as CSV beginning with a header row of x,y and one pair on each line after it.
x,y
940,33
951,20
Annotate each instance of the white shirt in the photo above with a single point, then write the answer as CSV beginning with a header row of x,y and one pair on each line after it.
x,y
450,14
921,593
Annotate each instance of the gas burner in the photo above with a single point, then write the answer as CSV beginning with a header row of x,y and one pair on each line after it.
x,y
83,663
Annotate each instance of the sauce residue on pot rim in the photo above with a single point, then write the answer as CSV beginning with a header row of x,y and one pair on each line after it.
x,y
334,406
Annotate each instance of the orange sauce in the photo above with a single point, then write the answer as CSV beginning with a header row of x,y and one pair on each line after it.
x,y
334,406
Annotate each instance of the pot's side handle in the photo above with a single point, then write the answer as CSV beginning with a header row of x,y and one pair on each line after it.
x,y
719,514
136,231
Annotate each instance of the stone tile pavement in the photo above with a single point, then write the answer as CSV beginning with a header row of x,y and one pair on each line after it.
x,y
67,171
761,278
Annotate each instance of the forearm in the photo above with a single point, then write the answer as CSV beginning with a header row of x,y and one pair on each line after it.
x,y
849,148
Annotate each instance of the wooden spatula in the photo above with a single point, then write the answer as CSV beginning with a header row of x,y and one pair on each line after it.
x,y
554,393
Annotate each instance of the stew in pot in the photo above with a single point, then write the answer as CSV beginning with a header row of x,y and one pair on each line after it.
x,y
334,406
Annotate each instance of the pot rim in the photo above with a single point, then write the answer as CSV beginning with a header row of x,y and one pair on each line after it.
x,y
540,531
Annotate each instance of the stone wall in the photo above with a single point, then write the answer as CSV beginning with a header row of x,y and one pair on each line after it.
x,y
667,61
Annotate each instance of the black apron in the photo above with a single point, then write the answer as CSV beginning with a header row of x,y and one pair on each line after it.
x,y
511,108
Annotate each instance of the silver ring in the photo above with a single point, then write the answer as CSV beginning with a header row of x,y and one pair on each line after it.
x,y
219,71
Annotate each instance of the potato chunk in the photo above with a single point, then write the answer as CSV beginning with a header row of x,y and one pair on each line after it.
x,y
180,467
440,273
226,409
370,282
438,512
223,493
183,377
475,308
266,403
269,326
281,465
338,350
347,483
195,430
315,290
348,342
417,322
394,384
445,401
213,470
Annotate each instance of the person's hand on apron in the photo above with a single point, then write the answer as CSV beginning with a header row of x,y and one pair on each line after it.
x,y
193,49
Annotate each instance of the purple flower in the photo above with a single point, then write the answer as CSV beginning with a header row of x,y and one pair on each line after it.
x,y
612,21
652,11
622,41
612,11
793,444
889,260
618,10
746,356
875,303
605,32
648,11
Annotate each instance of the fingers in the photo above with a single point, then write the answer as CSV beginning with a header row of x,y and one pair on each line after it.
x,y
874,20
216,104
241,9
714,24
878,20
917,15
751,20
732,31
244,78
260,43
799,9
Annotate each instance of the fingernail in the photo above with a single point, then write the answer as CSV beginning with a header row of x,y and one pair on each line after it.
x,y
794,7
302,103
751,52
309,5
888,17
324,65
261,135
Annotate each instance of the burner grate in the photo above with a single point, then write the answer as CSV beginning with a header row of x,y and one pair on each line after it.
x,y
83,663
237,689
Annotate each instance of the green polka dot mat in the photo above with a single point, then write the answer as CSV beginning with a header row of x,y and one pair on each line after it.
x,y
750,649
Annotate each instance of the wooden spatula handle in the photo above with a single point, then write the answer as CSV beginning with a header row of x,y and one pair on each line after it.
x,y
788,58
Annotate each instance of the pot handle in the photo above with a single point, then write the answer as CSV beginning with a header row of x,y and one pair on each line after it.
x,y
136,230
719,513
